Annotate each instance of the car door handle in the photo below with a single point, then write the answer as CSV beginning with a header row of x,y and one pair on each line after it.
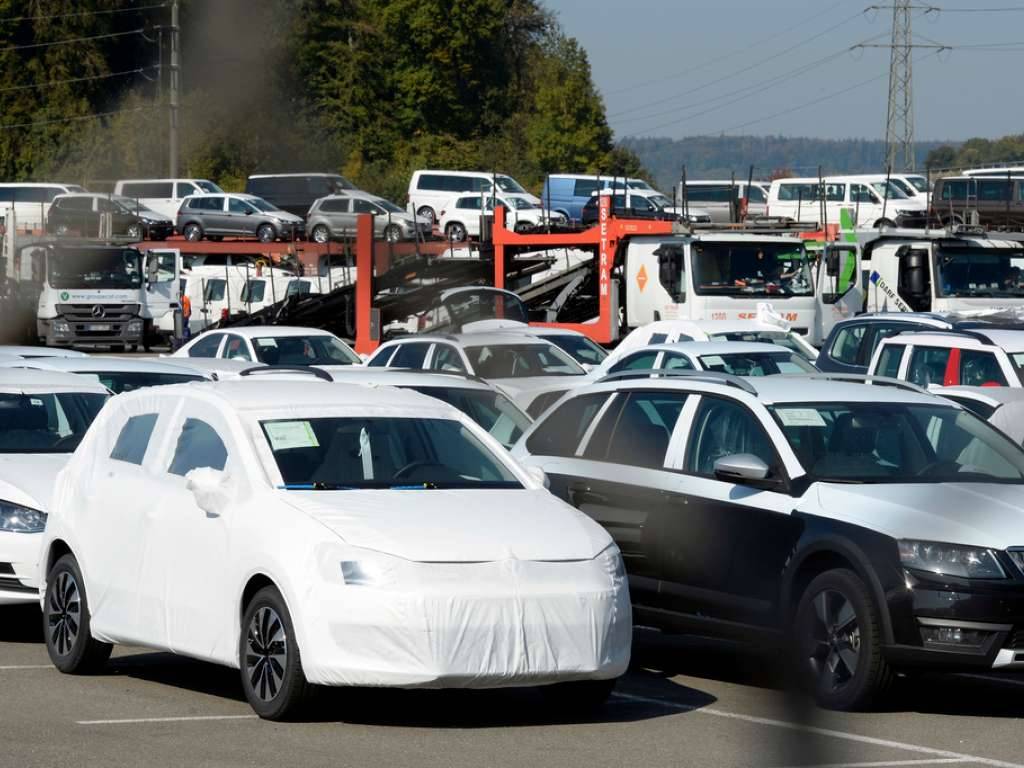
x,y
581,493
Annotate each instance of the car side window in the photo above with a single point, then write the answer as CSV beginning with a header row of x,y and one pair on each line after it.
x,y
198,446
725,428
206,346
847,344
381,359
446,358
980,369
563,429
889,360
409,355
673,361
237,206
133,439
638,361
640,432
883,331
928,366
236,349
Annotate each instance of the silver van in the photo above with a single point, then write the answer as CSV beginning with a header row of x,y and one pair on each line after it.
x,y
235,215
716,195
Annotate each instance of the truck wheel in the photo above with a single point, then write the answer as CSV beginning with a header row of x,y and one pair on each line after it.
x,y
838,642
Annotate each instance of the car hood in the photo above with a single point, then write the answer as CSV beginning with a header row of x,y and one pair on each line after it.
x,y
977,514
29,478
456,525
285,216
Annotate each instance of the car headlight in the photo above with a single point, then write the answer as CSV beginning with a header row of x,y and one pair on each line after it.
x,y
373,569
951,559
611,558
60,326
18,519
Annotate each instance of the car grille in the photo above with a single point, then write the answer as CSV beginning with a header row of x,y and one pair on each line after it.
x,y
8,582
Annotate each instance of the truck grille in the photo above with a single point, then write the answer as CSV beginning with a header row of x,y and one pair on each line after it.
x,y
87,323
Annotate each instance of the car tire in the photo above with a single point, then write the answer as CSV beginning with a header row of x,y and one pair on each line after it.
x,y
192,232
838,642
884,223
266,233
392,233
134,231
570,699
428,213
321,234
66,624
522,227
456,232
272,677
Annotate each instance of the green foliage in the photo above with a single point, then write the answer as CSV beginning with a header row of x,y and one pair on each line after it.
x,y
977,152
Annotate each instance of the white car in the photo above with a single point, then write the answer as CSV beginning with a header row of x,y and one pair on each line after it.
x,y
381,532
118,374
272,345
979,357
1002,407
519,364
460,217
43,415
15,350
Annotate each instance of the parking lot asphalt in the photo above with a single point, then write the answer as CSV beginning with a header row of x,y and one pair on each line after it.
x,y
683,703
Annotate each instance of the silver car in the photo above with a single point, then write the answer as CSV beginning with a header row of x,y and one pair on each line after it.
x,y
335,215
235,215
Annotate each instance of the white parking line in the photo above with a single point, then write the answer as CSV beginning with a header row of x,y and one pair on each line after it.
x,y
9,667
956,756
192,719
891,763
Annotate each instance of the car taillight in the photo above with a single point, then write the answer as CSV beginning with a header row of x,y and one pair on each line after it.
x,y
224,313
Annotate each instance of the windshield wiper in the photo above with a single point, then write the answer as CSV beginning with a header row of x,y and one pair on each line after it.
x,y
316,486
426,485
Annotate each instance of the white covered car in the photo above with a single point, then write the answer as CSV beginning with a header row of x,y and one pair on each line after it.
x,y
379,531
43,415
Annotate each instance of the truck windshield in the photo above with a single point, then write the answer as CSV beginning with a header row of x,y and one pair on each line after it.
x,y
979,272
94,268
752,269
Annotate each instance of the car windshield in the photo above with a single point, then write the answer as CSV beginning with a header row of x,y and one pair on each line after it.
x,y
639,184
209,186
757,363
752,269
898,443
920,183
782,338
979,272
508,184
516,361
132,205
317,349
894,192
46,423
484,304
254,291
126,381
905,187
388,206
582,349
661,201
329,453
491,410
94,268
519,203
263,205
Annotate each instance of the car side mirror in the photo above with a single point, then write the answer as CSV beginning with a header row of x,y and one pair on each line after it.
x,y
248,211
742,468
539,475
211,489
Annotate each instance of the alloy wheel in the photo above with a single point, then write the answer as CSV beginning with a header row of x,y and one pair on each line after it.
x,y
320,234
266,653
835,632
64,614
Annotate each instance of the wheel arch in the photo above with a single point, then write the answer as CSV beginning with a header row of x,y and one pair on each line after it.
x,y
57,549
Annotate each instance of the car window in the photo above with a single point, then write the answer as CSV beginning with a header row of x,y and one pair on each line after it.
x,y
847,343
364,206
889,360
928,366
491,410
446,358
641,430
410,355
582,349
757,363
339,205
185,188
238,206
560,433
883,331
128,381
46,422
638,361
978,408
236,349
980,369
134,439
206,346
198,446
468,203
214,289
513,361
315,349
661,338
725,428
676,361
380,360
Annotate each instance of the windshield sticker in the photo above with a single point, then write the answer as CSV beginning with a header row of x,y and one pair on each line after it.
x,y
291,434
35,401
267,342
712,360
800,417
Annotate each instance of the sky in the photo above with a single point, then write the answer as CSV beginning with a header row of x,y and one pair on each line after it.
x,y
785,67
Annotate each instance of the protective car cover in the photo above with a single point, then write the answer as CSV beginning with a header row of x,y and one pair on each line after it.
x,y
409,588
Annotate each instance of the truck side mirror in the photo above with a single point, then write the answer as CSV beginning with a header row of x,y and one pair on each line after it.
x,y
914,272
832,263
152,268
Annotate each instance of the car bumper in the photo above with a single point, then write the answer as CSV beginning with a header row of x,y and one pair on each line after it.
x,y
988,614
59,332
159,231
477,626
19,556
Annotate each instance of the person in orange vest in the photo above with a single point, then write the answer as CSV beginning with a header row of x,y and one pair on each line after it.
x,y
186,314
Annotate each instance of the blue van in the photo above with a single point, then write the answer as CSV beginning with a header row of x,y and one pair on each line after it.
x,y
567,193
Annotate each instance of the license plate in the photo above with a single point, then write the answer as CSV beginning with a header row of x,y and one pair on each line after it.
x,y
98,327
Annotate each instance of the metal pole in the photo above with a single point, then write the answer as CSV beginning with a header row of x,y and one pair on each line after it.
x,y
173,101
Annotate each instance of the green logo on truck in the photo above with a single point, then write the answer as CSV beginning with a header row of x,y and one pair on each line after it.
x,y
64,295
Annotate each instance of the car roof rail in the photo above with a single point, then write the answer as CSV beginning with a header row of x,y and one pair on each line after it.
x,y
859,378
713,377
309,370
460,374
968,333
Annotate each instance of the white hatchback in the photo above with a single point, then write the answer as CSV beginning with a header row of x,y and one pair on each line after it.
x,y
312,533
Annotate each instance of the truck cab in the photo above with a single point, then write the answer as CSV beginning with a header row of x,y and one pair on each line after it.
x,y
941,271
726,276
103,294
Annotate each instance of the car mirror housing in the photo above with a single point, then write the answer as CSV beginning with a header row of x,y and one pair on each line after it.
x,y
742,468
211,489
538,474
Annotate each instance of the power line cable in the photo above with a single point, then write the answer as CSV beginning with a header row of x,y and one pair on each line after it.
x,y
70,40
1004,9
106,76
47,17
77,118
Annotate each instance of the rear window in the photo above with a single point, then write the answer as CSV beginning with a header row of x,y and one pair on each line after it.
x,y
46,423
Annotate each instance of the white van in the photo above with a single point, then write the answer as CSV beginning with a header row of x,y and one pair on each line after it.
x,y
715,195
164,195
870,201
430,190
30,202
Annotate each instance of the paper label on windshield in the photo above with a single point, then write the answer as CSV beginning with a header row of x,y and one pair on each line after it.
x,y
800,417
266,342
291,434
710,360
